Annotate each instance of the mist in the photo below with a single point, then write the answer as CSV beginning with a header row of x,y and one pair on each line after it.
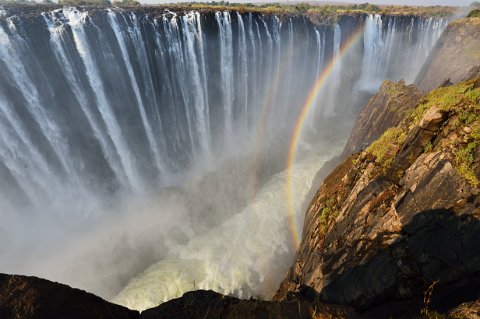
x,y
144,157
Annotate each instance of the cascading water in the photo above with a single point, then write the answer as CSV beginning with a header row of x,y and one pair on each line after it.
x,y
155,142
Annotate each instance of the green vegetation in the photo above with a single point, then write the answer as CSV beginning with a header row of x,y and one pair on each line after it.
x,y
126,3
462,99
387,146
474,14
328,214
84,2
311,9
462,104
428,147
464,162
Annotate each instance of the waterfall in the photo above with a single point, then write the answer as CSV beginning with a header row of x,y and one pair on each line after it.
x,y
127,138
392,41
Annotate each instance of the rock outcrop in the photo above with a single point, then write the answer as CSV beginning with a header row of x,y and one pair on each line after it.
x,y
400,217
209,304
385,109
23,297
455,57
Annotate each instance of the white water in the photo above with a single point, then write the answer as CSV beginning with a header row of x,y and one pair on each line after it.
x,y
247,255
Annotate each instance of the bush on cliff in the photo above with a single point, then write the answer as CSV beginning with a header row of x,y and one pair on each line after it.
x,y
474,14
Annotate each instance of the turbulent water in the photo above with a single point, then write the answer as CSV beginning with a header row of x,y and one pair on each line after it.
x,y
154,142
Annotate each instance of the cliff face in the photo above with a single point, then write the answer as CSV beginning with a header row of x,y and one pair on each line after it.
x,y
455,57
401,216
384,110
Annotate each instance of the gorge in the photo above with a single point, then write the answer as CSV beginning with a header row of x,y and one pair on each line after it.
x,y
148,152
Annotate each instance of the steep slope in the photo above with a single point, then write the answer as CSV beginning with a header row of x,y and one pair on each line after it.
x,y
401,216
455,57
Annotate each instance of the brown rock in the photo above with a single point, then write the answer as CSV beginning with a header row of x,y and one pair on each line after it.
x,y
418,137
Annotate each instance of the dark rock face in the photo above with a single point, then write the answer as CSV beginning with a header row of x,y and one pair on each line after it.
x,y
34,298
386,109
455,57
23,297
209,304
376,238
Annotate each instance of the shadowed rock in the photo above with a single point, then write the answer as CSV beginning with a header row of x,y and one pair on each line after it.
x,y
34,298
209,304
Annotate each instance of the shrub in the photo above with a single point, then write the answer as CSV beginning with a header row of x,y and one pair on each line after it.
x,y
474,14
385,149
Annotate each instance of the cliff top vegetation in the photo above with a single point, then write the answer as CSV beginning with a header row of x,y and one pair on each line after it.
x,y
267,8
459,137
306,8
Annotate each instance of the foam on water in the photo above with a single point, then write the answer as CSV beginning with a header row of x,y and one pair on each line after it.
x,y
245,256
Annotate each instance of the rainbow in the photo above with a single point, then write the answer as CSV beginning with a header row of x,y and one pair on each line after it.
x,y
309,102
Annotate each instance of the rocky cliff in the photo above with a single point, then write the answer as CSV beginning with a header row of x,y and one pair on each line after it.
x,y
455,57
400,217
385,109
